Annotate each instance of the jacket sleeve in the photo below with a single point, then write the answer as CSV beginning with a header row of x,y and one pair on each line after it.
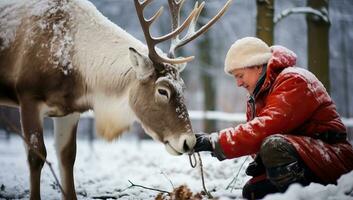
x,y
290,103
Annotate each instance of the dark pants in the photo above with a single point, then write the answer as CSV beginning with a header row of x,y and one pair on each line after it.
x,y
277,166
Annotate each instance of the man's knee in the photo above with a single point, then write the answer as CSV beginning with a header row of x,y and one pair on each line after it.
x,y
276,150
282,162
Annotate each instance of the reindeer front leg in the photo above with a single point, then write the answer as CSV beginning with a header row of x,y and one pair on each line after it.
x,y
33,134
65,143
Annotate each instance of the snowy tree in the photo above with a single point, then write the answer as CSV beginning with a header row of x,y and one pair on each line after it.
x,y
318,41
265,24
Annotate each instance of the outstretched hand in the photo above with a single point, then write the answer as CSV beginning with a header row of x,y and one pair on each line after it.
x,y
203,142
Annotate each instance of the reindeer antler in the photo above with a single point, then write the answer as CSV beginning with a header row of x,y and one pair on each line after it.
x,y
191,34
176,29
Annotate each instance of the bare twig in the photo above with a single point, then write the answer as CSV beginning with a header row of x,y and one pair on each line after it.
x,y
148,188
236,176
105,197
19,133
109,196
203,179
193,165
168,179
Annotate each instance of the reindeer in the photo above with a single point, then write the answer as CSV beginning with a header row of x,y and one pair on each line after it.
x,y
59,58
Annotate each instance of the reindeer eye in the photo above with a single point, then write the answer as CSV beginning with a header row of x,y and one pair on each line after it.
x,y
163,92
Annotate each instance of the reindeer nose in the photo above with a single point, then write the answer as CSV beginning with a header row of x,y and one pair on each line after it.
x,y
189,143
186,146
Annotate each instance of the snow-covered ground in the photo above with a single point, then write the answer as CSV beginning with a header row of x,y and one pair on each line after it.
x,y
104,170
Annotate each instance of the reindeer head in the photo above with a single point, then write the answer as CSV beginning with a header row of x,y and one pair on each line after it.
x,y
157,99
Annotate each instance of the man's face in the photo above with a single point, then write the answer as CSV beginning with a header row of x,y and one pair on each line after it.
x,y
247,77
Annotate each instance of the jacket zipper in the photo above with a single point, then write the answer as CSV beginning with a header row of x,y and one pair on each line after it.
x,y
252,106
258,86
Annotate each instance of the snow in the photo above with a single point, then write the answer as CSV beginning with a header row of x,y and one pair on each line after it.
x,y
104,169
342,191
34,141
15,13
62,41
322,14
9,22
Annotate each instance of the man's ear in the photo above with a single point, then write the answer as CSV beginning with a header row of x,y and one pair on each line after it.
x,y
141,64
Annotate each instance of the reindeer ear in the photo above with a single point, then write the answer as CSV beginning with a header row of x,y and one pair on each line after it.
x,y
141,64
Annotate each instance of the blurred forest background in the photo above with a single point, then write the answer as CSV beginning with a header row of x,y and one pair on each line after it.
x,y
319,31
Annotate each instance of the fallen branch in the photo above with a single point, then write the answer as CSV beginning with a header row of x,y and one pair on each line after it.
x,y
168,179
148,188
19,133
109,196
105,197
236,176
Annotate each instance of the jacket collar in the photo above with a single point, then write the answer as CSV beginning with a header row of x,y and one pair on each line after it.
x,y
260,82
281,59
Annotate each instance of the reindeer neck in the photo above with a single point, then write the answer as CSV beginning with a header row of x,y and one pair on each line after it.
x,y
102,53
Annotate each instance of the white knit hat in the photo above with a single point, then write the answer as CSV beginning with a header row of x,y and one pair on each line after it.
x,y
246,52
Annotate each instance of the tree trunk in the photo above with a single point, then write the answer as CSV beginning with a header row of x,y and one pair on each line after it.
x,y
264,20
318,43
205,60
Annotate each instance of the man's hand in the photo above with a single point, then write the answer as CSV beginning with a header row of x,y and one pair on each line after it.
x,y
203,142
209,142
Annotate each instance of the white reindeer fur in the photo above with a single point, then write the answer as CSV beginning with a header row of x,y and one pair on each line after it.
x,y
62,127
112,120
103,58
98,45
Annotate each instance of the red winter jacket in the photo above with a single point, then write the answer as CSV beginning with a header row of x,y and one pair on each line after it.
x,y
294,103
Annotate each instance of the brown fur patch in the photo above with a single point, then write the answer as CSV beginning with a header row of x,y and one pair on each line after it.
x,y
30,67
